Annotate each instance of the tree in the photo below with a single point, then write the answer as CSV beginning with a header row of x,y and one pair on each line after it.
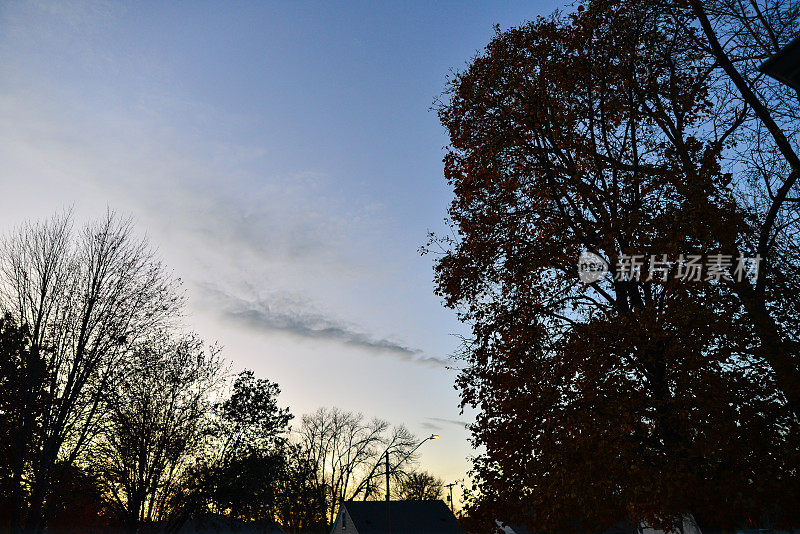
x,y
347,453
78,503
303,501
613,131
157,424
737,37
20,418
419,486
83,300
250,419
247,475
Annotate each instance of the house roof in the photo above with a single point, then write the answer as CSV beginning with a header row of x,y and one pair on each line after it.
x,y
406,517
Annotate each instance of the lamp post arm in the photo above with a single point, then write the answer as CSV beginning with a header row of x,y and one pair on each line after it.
x,y
407,456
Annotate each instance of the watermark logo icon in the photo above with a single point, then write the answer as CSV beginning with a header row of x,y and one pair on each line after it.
x,y
591,267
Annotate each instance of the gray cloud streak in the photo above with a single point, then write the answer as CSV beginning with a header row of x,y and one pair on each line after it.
x,y
449,421
260,315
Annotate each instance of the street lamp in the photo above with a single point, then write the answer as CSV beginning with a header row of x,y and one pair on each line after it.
x,y
431,437
388,513
784,66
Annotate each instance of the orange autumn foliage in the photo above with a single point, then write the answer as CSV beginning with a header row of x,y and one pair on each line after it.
x,y
613,130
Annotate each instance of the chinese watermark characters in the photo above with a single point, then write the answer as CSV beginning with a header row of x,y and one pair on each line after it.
x,y
660,268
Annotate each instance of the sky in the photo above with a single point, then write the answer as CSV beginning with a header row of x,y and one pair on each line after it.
x,y
284,160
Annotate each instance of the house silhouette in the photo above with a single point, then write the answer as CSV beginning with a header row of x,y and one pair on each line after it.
x,y
395,517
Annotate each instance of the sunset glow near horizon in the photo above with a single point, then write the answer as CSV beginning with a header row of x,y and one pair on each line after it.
x,y
285,161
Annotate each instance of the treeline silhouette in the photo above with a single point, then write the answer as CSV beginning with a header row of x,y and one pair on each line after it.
x,y
115,418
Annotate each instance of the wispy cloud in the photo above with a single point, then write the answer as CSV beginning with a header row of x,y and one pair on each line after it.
x,y
291,317
456,422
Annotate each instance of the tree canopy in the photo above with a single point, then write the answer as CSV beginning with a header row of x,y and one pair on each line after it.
x,y
625,129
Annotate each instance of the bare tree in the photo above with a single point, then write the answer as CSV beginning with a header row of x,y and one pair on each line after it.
x,y
85,299
419,486
347,452
158,420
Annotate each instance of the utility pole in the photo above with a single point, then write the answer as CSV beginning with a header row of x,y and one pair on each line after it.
x,y
450,487
400,461
387,475
388,513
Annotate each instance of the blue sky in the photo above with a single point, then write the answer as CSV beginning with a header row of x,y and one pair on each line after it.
x,y
284,160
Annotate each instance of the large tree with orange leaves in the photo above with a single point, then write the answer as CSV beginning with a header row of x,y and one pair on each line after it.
x,y
627,128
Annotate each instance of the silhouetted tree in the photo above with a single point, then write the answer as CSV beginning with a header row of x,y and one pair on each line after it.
x,y
419,486
250,419
303,501
77,503
626,129
347,452
247,474
21,406
111,418
762,165
83,300
158,421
